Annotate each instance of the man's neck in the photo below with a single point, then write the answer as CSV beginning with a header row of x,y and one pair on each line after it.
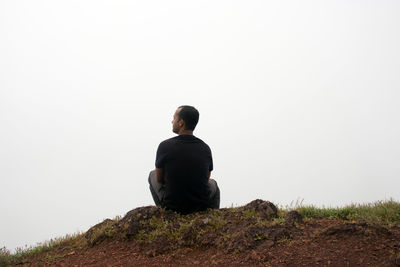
x,y
187,132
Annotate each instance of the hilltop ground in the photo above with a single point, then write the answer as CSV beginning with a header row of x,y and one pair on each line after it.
x,y
256,234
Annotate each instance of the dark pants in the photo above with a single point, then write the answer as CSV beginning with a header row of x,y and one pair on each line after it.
x,y
157,190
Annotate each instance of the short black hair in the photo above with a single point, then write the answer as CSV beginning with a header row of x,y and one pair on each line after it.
x,y
190,116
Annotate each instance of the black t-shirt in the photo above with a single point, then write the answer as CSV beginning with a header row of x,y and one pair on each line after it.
x,y
186,161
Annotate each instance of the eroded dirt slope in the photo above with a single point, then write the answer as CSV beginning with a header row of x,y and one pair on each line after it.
x,y
252,235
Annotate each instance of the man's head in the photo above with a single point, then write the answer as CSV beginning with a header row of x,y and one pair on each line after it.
x,y
185,119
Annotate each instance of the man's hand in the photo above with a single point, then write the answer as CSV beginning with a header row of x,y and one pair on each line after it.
x,y
160,175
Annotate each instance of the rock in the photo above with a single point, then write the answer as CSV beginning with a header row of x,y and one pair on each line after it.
x,y
132,221
99,232
278,232
266,209
140,214
293,217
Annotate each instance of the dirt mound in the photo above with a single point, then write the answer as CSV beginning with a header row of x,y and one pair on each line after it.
x,y
256,234
162,230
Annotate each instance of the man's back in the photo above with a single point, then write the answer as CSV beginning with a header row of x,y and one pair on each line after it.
x,y
187,162
181,180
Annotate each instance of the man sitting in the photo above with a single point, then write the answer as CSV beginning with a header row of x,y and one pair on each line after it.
x,y
181,180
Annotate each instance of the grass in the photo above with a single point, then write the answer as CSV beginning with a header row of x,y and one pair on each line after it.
x,y
21,255
5,257
380,212
181,227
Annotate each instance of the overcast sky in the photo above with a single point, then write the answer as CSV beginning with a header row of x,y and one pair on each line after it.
x,y
298,100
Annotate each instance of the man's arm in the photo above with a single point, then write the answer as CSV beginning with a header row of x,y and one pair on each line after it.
x,y
160,175
209,174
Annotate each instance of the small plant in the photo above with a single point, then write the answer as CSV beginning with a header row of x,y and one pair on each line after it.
x,y
278,220
5,257
249,213
258,237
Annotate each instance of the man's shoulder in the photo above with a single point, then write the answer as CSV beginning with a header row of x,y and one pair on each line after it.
x,y
169,140
167,143
182,139
201,141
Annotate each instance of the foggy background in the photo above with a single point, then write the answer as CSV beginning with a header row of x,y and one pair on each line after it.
x,y
299,102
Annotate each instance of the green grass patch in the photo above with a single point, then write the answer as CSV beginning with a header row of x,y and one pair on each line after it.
x,y
5,257
381,212
21,255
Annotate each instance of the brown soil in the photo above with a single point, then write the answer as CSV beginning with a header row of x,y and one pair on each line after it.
x,y
295,242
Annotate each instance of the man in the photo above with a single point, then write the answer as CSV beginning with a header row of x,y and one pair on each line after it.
x,y
181,180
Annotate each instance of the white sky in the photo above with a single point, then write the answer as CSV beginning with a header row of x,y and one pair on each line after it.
x,y
298,100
